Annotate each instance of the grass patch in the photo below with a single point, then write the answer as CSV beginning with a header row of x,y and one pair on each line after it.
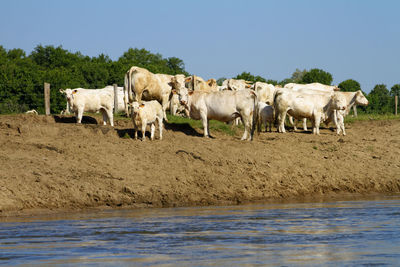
x,y
197,124
371,117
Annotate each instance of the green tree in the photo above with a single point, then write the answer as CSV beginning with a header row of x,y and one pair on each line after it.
x,y
249,77
349,85
297,75
317,75
395,90
379,100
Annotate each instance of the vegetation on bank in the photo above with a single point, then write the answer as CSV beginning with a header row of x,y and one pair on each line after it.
x,y
22,77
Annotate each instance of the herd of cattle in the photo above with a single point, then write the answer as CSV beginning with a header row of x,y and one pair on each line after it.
x,y
146,97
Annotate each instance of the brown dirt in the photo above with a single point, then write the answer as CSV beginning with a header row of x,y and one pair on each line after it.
x,y
52,164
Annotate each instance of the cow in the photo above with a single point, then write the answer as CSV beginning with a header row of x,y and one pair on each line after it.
x,y
265,92
145,85
147,113
235,85
197,83
121,95
316,107
265,116
91,100
34,112
222,106
313,86
175,106
352,99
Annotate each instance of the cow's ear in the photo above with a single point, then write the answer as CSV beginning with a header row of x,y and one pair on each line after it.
x,y
61,91
173,91
188,79
190,93
141,105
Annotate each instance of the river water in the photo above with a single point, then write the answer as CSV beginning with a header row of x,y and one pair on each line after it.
x,y
363,232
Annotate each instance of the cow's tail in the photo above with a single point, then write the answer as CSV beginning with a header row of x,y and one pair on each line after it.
x,y
277,93
255,115
126,93
131,83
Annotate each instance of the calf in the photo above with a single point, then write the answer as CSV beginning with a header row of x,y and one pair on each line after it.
x,y
91,100
265,116
147,113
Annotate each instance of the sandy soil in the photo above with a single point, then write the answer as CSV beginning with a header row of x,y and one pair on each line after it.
x,y
52,164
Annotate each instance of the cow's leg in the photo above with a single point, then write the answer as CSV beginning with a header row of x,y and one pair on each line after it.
x,y
305,124
204,120
165,101
110,116
247,123
341,123
136,132
160,126
293,122
103,112
79,115
281,122
144,124
317,121
152,130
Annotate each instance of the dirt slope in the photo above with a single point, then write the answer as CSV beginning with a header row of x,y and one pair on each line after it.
x,y
51,163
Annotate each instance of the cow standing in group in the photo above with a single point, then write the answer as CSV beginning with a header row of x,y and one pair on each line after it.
x,y
265,92
316,107
141,84
147,113
235,85
91,100
222,106
266,116
196,83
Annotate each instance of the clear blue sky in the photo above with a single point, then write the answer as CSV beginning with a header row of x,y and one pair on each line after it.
x,y
222,38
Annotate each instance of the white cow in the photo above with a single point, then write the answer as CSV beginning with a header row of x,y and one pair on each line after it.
x,y
147,113
235,85
91,100
351,99
313,86
175,106
34,112
222,106
265,116
265,92
316,107
122,95
145,85
195,83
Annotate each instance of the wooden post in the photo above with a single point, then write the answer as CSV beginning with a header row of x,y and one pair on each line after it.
x,y
115,98
355,110
396,102
47,98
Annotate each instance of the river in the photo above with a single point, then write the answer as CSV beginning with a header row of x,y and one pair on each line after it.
x,y
362,232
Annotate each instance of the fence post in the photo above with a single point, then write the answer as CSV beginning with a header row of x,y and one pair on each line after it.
x,y
47,98
396,102
115,98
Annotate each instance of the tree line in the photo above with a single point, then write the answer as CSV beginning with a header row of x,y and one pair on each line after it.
x,y
22,76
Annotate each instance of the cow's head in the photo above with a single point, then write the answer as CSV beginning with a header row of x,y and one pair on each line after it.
x,y
361,99
69,94
135,107
339,101
178,86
